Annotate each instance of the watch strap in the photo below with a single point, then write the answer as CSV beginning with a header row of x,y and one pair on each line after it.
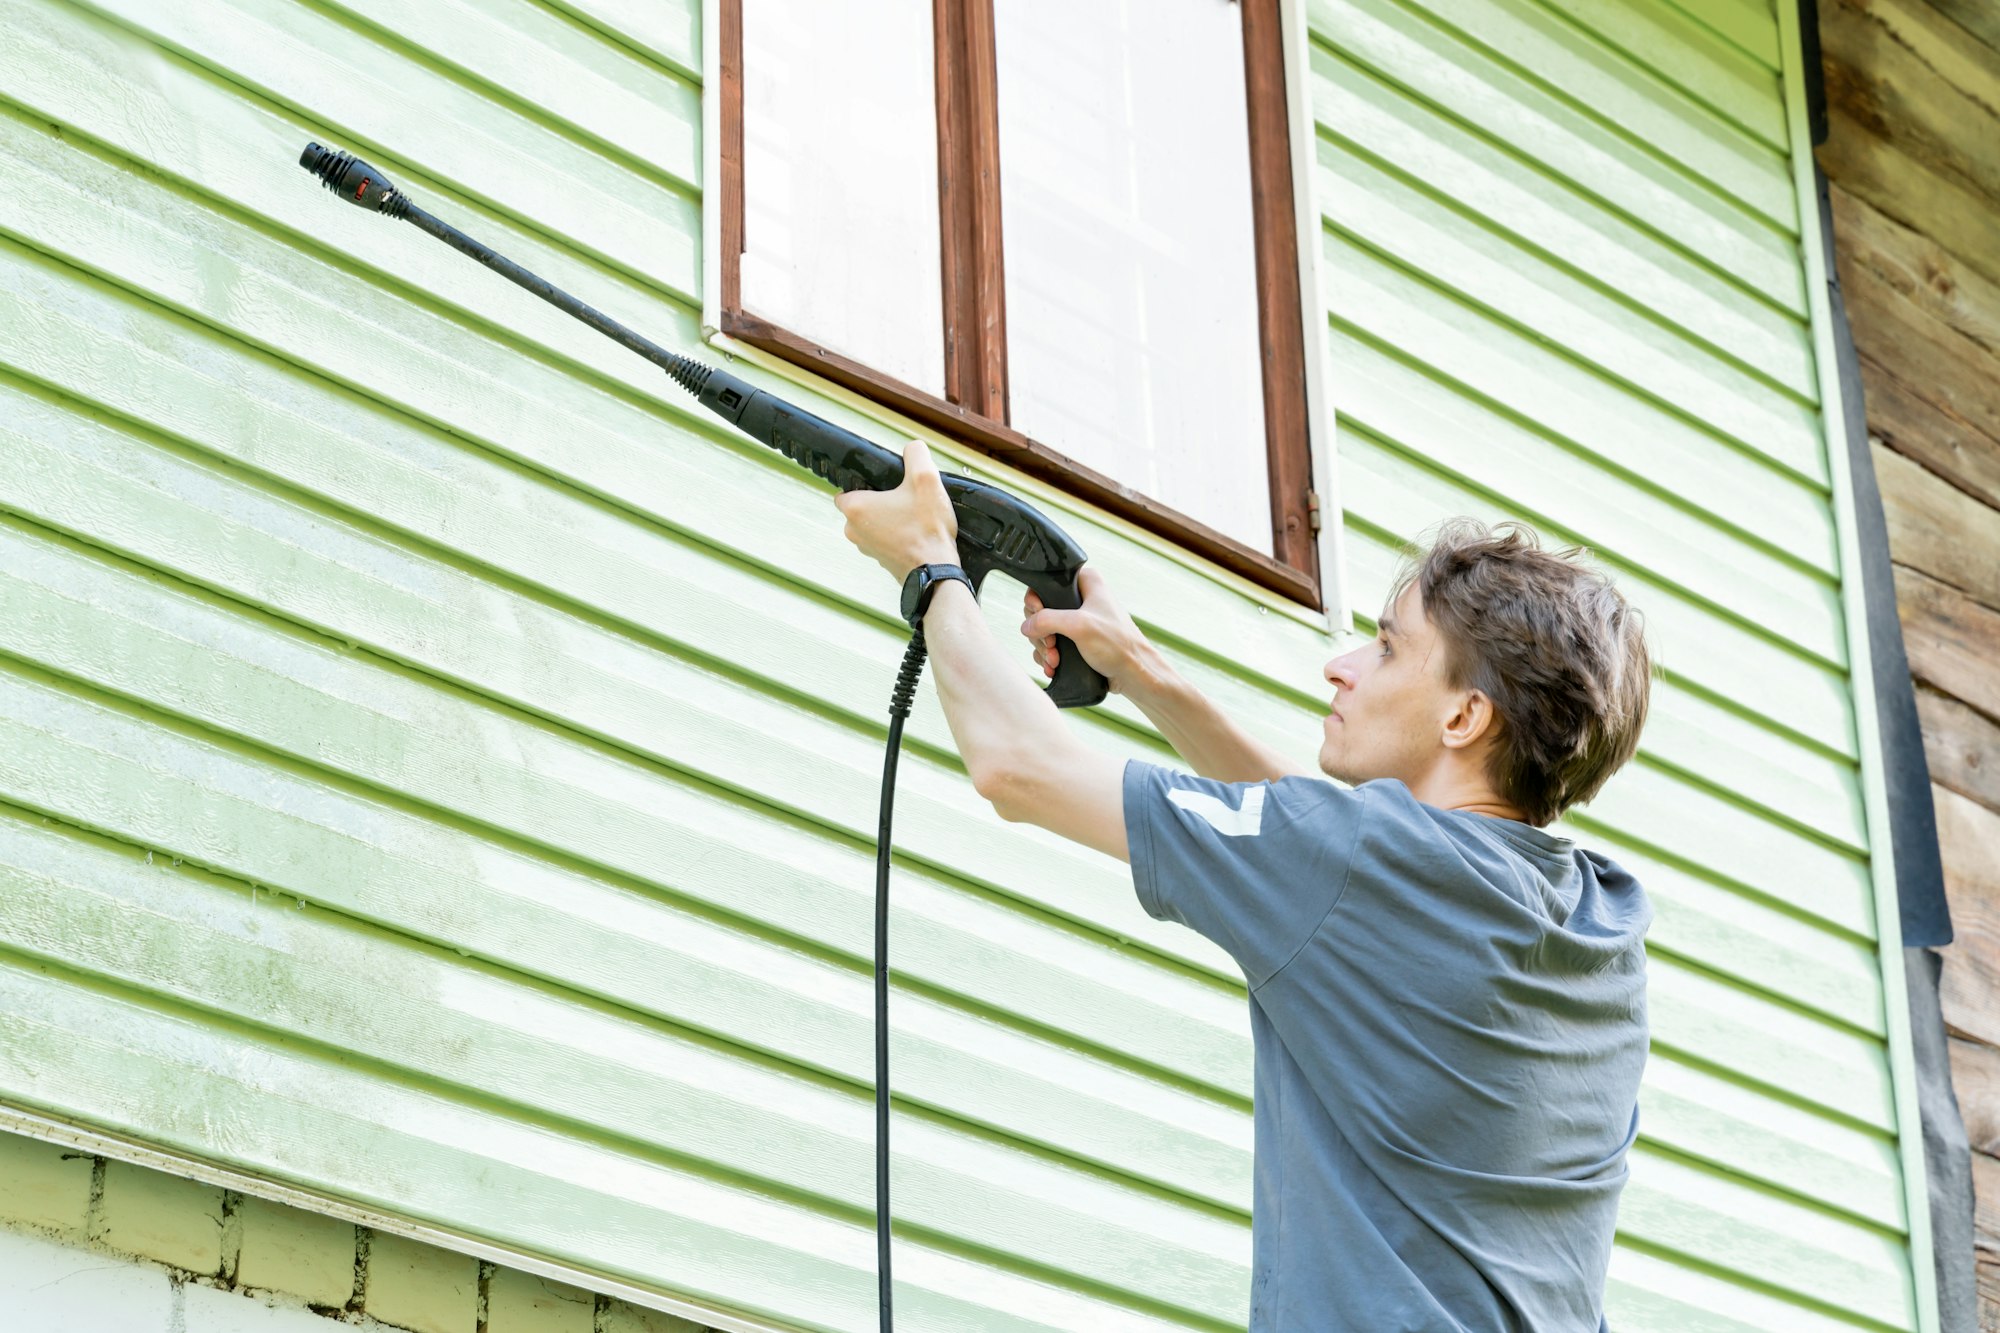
x,y
928,577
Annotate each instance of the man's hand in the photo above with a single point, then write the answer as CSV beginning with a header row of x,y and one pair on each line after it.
x,y
1101,631
909,526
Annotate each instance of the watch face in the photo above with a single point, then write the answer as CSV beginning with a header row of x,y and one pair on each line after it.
x,y
912,584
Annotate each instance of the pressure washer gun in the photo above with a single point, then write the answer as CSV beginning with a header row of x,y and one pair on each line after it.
x,y
996,531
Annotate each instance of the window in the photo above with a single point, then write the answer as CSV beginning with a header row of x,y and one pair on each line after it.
x,y
1061,233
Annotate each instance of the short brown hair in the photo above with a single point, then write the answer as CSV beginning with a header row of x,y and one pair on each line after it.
x,y
1551,643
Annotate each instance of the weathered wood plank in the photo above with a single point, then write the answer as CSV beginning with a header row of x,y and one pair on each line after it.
x,y
1953,642
1919,379
1978,18
1939,48
1920,269
1986,1238
1870,163
1939,529
1989,1292
1975,1079
1963,747
1969,841
1986,1230
1890,65
1935,361
1913,425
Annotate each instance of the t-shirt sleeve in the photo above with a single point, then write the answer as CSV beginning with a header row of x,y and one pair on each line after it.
x,y
1254,866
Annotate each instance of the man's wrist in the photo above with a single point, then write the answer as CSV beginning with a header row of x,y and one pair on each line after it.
x,y
923,584
943,555
1150,678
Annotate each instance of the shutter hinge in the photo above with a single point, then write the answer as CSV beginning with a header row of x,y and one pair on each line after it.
x,y
1312,508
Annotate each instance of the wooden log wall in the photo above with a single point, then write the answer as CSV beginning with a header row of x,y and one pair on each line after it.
x,y
1913,154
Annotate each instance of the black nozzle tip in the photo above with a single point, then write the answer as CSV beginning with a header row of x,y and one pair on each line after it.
x,y
353,180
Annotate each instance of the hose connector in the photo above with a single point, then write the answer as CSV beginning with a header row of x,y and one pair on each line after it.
x,y
689,373
905,692
354,180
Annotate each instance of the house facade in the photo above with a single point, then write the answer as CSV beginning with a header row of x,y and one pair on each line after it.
x,y
437,792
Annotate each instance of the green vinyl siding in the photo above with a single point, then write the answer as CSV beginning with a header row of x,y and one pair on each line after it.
x,y
438,764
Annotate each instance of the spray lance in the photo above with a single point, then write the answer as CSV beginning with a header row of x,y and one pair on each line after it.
x,y
996,531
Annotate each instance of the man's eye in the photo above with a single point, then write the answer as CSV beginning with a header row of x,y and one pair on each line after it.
x,y
1385,646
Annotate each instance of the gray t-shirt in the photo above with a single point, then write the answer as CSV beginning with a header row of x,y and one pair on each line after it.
x,y
1449,1014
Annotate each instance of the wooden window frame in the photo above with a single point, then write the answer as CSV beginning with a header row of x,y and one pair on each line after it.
x,y
974,409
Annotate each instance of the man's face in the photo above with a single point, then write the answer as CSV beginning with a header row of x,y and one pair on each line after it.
x,y
1391,702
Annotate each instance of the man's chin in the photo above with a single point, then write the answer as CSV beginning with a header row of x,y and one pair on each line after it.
x,y
1341,771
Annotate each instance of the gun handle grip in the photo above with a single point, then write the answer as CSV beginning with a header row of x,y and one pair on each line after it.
x,y
1076,684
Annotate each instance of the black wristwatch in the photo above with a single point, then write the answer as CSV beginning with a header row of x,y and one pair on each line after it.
x,y
921,583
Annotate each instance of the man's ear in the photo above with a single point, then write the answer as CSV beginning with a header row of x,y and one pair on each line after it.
x,y
1473,718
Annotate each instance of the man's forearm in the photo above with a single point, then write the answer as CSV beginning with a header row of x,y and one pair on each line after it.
x,y
1002,722
997,716
1202,734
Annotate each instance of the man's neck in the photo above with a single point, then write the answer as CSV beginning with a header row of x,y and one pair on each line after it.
x,y
1449,787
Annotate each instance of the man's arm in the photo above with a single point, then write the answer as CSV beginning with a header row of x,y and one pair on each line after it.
x,y
1015,744
1021,754
1202,734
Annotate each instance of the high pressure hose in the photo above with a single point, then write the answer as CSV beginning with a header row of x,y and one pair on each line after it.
x,y
899,708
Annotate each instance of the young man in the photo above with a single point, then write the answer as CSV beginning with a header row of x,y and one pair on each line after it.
x,y
1447,1001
